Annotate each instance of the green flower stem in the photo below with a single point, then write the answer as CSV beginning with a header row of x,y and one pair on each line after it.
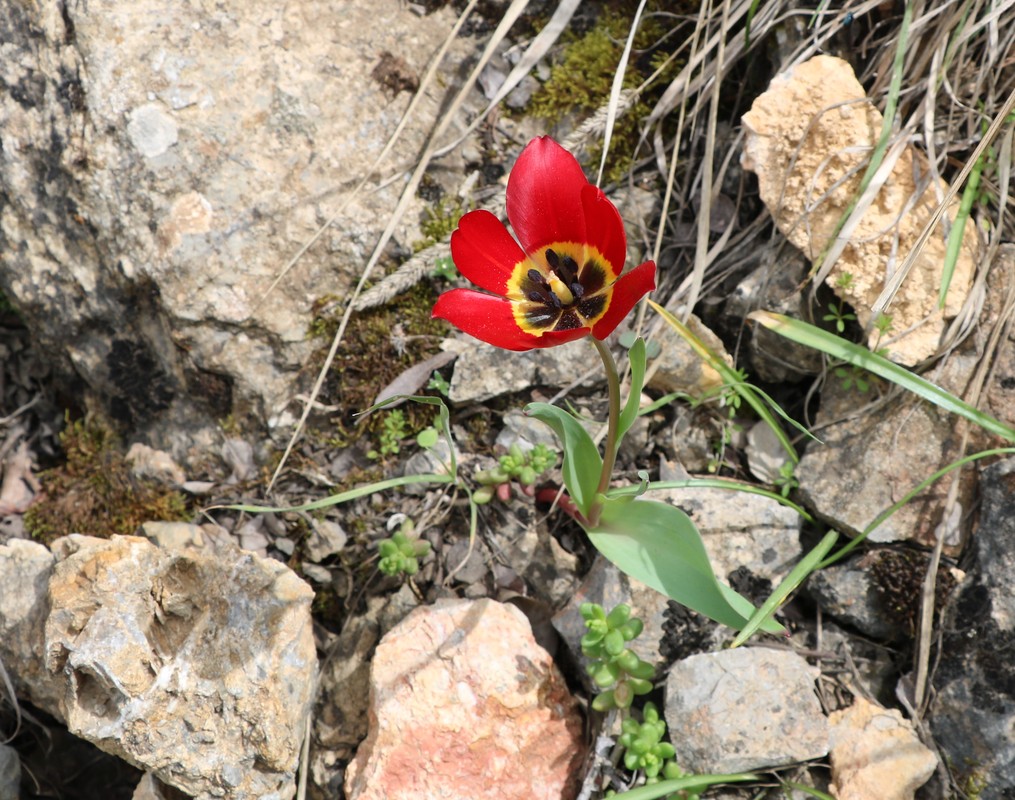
x,y
610,449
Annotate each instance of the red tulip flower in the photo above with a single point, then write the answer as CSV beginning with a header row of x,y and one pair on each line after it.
x,y
564,281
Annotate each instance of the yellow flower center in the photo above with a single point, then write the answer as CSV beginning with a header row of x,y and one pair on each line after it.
x,y
564,286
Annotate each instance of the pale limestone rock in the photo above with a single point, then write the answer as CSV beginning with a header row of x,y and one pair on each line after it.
x,y
812,128
876,754
483,371
162,164
465,706
197,667
744,709
678,368
25,569
156,465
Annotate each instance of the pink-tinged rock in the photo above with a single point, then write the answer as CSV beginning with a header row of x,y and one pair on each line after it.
x,y
464,705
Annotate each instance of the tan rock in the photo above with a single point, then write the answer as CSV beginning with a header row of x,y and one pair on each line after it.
x,y
876,754
807,139
196,666
678,368
466,706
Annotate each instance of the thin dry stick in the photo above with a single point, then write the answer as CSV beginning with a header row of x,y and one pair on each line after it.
x,y
707,187
512,14
615,89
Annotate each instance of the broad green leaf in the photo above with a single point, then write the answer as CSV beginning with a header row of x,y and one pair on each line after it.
x,y
727,484
837,347
582,462
659,545
693,783
797,575
636,357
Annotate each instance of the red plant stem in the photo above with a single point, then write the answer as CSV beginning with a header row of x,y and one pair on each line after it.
x,y
610,448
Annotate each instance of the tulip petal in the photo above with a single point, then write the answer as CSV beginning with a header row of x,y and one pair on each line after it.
x,y
604,228
484,251
490,319
544,196
627,291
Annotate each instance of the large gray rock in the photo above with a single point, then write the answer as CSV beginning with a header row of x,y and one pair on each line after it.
x,y
162,162
744,709
973,714
198,666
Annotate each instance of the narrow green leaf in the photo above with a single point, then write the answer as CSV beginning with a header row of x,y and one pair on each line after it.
x,y
344,497
904,500
582,462
636,357
808,564
958,229
659,545
837,347
693,783
731,377
808,790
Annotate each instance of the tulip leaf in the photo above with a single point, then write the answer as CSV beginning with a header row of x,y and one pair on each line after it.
x,y
636,358
657,544
582,462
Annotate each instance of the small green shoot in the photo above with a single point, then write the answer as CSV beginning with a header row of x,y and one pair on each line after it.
x,y
786,482
519,466
853,376
444,268
401,553
844,281
839,316
614,667
439,383
644,748
394,430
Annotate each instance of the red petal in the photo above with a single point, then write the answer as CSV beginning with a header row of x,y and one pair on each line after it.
x,y
553,338
544,196
488,318
484,251
627,291
604,227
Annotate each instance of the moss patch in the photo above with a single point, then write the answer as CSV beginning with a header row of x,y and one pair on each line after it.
x,y
94,493
581,79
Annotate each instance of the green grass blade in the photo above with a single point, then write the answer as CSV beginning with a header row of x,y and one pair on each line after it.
x,y
880,518
808,564
816,793
693,783
344,497
884,139
747,24
837,347
730,377
956,234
